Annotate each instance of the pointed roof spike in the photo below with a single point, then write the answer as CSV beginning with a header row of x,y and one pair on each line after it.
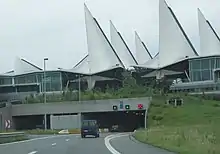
x,y
22,66
121,47
82,66
142,53
81,61
209,40
171,31
102,55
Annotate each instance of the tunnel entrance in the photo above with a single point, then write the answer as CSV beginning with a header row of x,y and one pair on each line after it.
x,y
127,121
30,122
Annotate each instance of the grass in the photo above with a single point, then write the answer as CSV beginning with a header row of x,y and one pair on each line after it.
x,y
13,139
193,128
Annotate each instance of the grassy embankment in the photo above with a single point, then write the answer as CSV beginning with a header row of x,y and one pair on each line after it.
x,y
193,128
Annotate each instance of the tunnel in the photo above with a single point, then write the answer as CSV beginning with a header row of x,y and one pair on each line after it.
x,y
30,122
127,121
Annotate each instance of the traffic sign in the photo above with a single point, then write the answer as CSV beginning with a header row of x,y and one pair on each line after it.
x,y
121,105
127,107
7,123
115,107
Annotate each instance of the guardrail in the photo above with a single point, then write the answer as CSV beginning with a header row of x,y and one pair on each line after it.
x,y
12,136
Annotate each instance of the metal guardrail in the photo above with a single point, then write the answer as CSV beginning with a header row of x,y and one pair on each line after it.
x,y
11,134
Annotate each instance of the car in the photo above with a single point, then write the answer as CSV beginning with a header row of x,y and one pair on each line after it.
x,y
116,128
89,127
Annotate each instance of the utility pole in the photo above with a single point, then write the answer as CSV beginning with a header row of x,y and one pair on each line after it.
x,y
79,89
45,98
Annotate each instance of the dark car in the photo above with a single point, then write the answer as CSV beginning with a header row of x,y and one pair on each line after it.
x,y
89,127
116,128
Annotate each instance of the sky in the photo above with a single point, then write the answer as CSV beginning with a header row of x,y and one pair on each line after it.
x,y
35,29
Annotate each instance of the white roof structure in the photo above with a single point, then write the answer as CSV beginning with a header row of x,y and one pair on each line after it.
x,y
209,40
102,56
82,67
174,45
142,53
22,66
121,47
151,64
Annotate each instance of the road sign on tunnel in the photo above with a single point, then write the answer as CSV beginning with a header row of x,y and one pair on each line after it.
x,y
121,105
115,107
140,106
127,107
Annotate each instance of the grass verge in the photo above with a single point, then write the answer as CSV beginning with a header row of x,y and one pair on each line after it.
x,y
50,132
13,139
193,128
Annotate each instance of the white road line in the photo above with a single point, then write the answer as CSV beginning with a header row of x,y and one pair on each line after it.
x,y
33,152
67,140
35,139
53,144
109,146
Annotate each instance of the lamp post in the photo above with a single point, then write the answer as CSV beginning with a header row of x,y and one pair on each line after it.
x,y
45,98
79,88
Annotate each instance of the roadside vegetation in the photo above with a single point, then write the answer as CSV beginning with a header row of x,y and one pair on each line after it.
x,y
193,128
128,90
13,139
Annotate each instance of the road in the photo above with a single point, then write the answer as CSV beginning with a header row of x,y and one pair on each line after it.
x,y
74,144
68,144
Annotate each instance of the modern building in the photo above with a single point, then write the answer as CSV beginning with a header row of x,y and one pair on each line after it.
x,y
106,61
204,70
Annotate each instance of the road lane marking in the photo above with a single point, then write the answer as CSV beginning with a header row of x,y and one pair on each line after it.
x,y
33,152
108,144
67,140
53,144
35,139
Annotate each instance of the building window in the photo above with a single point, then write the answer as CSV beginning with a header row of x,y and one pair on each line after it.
x,y
213,63
217,62
206,75
205,64
5,81
28,78
196,75
196,64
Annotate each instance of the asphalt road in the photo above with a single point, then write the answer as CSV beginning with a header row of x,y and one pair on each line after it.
x,y
74,144
128,145
71,144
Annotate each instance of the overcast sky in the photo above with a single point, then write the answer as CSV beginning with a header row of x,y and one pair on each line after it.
x,y
34,29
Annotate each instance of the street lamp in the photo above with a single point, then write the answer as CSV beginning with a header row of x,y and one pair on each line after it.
x,y
79,87
45,98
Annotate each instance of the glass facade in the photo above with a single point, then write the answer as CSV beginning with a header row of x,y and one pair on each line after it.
x,y
202,69
53,80
26,78
5,80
